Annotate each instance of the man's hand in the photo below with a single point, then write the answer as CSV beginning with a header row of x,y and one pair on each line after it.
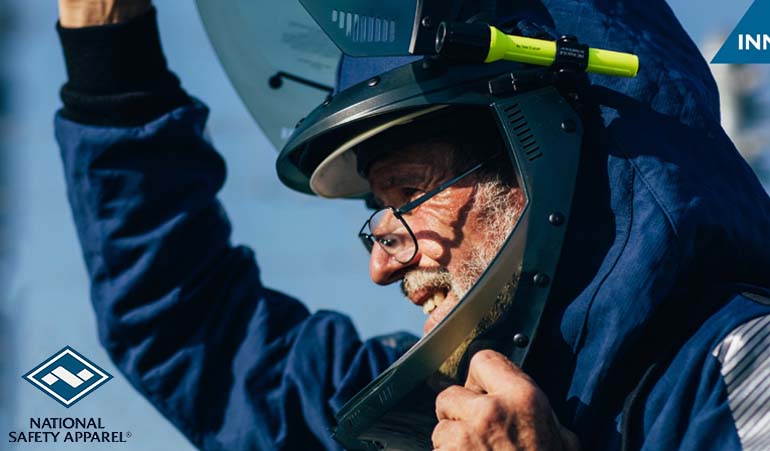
x,y
85,13
500,408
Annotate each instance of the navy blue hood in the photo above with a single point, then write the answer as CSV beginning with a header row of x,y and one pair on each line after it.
x,y
666,211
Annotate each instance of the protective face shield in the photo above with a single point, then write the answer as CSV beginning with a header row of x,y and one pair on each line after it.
x,y
540,131
542,135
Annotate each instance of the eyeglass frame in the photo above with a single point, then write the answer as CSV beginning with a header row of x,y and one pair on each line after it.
x,y
368,239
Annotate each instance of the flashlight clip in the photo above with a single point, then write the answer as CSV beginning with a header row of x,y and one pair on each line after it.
x,y
571,55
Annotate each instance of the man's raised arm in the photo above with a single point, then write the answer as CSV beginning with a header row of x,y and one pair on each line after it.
x,y
181,311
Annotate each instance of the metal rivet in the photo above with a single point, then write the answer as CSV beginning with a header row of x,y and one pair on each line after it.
x,y
275,81
373,82
327,101
540,280
425,22
556,219
520,340
568,126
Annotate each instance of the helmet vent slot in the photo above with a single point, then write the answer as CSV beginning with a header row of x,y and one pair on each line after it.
x,y
362,28
523,133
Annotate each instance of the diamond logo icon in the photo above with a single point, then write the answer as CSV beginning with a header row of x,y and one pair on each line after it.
x,y
67,376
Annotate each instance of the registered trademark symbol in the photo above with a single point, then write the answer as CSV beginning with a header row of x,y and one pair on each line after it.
x,y
129,434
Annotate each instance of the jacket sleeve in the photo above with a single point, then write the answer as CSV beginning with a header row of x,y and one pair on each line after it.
x,y
744,366
182,312
715,392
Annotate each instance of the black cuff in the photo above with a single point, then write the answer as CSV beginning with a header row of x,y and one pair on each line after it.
x,y
117,73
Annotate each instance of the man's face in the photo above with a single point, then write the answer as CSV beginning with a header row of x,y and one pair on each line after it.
x,y
458,231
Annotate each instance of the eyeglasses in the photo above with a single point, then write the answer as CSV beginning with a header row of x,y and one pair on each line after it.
x,y
388,228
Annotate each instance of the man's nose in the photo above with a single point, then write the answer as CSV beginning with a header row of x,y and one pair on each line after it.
x,y
385,269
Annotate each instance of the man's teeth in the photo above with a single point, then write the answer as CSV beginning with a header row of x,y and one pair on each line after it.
x,y
433,302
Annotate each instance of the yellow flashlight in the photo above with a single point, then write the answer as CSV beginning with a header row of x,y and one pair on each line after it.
x,y
483,43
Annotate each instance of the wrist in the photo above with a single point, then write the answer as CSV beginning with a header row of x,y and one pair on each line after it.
x,y
87,13
117,75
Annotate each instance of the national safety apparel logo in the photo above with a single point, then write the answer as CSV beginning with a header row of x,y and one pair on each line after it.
x,y
749,43
67,377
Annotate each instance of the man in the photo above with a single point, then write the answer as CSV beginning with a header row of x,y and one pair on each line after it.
x,y
657,333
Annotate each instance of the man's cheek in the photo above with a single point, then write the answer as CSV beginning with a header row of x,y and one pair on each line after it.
x,y
443,217
436,246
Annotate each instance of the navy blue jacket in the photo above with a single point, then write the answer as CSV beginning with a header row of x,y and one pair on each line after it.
x,y
649,332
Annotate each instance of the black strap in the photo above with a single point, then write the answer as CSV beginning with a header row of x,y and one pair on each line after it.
x,y
633,407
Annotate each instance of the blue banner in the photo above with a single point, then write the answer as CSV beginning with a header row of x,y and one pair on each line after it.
x,y
749,43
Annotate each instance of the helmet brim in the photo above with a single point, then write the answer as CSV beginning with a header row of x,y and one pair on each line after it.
x,y
338,174
355,112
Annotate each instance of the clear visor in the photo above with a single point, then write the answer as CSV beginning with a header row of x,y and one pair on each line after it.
x,y
497,236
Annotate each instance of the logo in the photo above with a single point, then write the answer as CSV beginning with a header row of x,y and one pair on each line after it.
x,y
67,377
749,43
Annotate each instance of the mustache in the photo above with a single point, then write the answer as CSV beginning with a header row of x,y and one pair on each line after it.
x,y
419,279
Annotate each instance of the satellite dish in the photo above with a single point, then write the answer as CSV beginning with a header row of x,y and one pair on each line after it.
x,y
278,59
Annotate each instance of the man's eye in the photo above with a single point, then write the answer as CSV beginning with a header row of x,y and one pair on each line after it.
x,y
386,242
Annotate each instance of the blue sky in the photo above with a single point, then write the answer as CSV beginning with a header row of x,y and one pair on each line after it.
x,y
47,299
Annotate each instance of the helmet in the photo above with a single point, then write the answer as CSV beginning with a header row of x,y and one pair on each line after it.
x,y
385,85
541,133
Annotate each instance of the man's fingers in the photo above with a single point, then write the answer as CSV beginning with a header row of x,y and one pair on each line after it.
x,y
490,369
500,407
454,403
449,435
85,13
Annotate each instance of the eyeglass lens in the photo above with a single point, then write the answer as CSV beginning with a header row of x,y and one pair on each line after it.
x,y
392,235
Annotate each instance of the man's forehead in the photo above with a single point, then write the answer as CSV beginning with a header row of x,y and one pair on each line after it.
x,y
410,141
409,162
387,181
